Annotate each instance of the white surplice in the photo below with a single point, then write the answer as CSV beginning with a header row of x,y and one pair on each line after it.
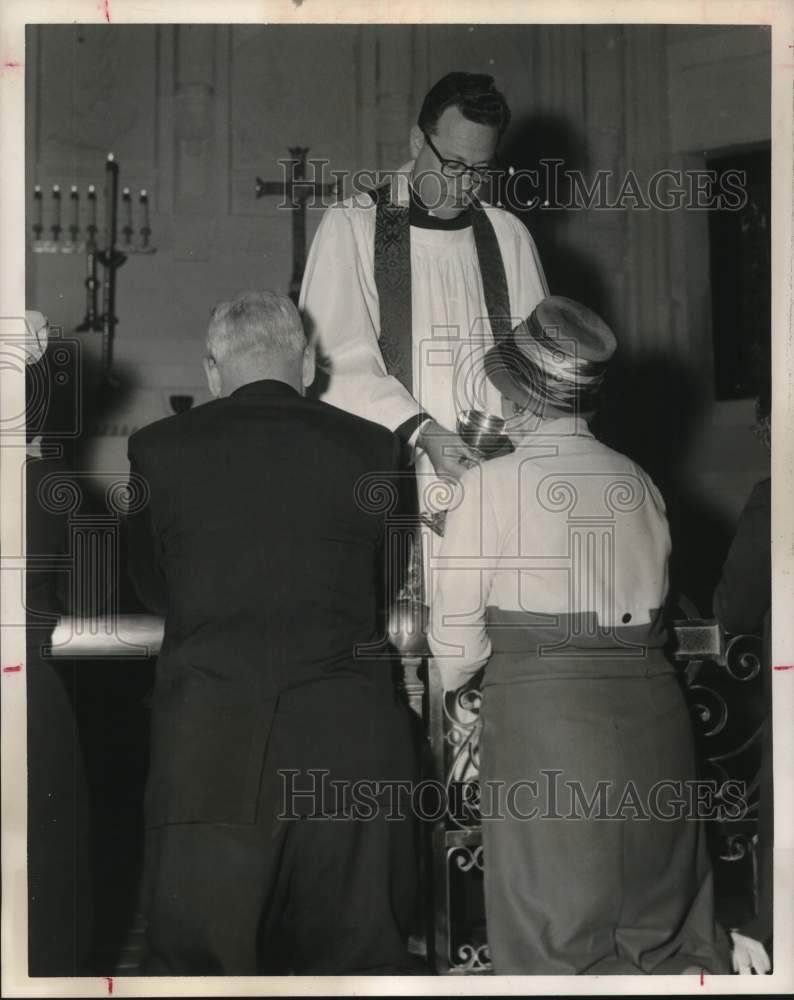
x,y
451,329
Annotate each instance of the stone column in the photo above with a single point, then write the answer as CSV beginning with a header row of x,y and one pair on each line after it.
x,y
648,306
198,149
394,98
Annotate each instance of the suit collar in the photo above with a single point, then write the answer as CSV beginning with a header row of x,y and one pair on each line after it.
x,y
265,387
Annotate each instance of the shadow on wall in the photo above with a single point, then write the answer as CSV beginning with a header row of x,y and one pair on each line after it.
x,y
569,270
653,404
651,409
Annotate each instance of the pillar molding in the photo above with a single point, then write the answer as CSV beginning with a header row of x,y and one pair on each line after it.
x,y
394,98
195,139
648,306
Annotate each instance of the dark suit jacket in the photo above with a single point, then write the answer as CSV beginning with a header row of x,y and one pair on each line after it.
x,y
743,603
744,594
255,548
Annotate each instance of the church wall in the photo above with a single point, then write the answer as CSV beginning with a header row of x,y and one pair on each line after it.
x,y
195,113
719,102
192,114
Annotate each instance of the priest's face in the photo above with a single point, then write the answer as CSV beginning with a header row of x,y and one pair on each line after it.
x,y
457,142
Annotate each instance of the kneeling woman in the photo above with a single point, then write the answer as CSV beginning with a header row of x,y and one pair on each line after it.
x,y
553,572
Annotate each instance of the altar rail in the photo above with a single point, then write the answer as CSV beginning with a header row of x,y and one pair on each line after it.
x,y
140,636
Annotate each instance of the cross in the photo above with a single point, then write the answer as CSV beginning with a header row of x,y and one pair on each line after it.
x,y
299,190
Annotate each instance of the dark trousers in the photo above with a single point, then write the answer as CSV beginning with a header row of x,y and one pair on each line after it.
x,y
59,822
325,896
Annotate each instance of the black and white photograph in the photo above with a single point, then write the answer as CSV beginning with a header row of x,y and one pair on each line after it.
x,y
397,480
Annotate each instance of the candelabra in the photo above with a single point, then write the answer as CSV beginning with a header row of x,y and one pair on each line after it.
x,y
76,239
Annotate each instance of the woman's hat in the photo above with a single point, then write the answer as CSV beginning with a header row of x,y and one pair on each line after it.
x,y
556,358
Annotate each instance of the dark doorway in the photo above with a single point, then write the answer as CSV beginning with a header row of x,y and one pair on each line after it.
x,y
740,279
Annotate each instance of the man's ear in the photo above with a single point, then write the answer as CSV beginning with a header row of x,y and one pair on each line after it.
x,y
309,365
417,141
213,377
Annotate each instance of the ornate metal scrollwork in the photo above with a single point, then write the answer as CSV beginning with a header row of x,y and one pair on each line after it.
x,y
466,858
743,657
737,846
462,736
708,708
472,959
724,689
465,867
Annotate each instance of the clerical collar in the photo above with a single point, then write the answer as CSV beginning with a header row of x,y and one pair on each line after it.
x,y
419,215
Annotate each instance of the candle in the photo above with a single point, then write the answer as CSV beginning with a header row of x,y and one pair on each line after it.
x,y
56,197
111,193
145,206
74,198
126,197
145,230
38,207
91,227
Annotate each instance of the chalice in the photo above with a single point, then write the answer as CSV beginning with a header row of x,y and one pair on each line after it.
x,y
484,433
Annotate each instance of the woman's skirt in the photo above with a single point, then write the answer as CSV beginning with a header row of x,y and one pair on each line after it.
x,y
595,858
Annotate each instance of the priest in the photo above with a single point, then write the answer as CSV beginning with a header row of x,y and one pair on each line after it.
x,y
407,286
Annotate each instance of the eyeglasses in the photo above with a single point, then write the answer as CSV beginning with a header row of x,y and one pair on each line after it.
x,y
457,168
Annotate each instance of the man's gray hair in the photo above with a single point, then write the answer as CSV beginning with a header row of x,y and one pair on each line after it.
x,y
264,323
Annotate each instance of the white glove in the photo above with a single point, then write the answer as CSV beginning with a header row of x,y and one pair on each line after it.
x,y
749,956
36,329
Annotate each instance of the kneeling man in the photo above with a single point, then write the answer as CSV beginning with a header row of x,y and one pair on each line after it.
x,y
254,546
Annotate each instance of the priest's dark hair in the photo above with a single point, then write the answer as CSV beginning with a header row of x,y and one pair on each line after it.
x,y
473,93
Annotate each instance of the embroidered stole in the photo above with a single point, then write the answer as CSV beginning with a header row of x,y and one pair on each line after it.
x,y
393,281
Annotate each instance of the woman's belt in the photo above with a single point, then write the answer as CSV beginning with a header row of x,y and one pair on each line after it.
x,y
528,644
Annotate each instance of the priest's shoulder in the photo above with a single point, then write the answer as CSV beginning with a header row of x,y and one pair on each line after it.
x,y
353,216
361,202
505,221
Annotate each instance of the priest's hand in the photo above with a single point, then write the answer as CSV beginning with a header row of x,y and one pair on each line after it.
x,y
450,455
749,956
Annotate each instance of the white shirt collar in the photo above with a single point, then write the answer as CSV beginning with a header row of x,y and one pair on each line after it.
x,y
559,427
